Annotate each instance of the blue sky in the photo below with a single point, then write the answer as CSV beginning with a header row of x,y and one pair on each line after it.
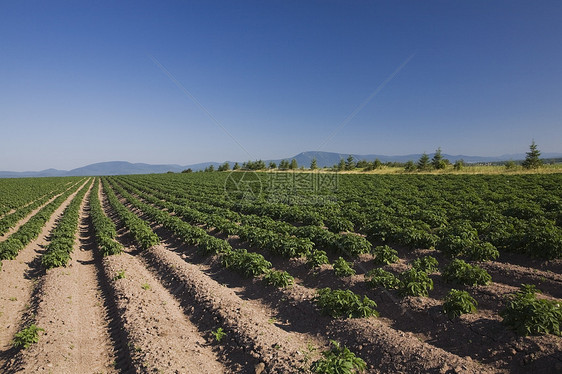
x,y
78,81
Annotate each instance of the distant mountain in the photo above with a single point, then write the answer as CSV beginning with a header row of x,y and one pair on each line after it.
x,y
323,159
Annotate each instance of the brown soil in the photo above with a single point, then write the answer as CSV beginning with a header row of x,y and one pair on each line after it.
x,y
70,310
19,278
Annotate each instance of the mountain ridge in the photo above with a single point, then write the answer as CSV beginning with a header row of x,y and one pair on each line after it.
x,y
324,159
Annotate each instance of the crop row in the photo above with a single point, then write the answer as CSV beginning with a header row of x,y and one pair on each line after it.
x,y
10,220
139,229
63,236
104,228
30,230
17,193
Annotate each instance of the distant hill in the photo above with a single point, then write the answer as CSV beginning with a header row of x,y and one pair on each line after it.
x,y
323,159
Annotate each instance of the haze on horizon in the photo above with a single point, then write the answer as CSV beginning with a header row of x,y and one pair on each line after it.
x,y
177,82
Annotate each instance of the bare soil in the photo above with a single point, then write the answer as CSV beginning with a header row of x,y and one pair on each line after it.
x,y
19,278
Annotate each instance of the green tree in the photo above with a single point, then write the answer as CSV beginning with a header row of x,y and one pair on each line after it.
x,y
313,164
210,168
377,164
423,162
410,166
341,165
272,165
224,167
459,164
532,160
437,161
188,170
294,165
350,163
284,165
236,166
510,165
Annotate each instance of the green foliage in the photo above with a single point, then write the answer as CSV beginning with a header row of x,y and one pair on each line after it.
x,y
61,241
104,228
510,165
532,159
219,334
26,337
342,268
278,278
460,272
458,303
246,263
423,163
353,245
313,164
458,165
528,315
437,161
338,360
380,277
427,264
120,275
385,255
415,283
316,257
344,303
410,166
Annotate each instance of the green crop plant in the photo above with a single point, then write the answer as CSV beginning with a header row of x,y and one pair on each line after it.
x,y
344,303
342,268
382,278
415,283
528,315
460,272
339,360
385,255
278,278
427,264
26,337
458,303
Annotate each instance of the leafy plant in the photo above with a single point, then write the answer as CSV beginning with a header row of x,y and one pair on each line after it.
x,y
339,360
342,268
278,278
317,257
219,334
380,277
344,303
460,272
353,245
458,303
385,255
120,275
26,337
415,283
248,264
528,315
427,264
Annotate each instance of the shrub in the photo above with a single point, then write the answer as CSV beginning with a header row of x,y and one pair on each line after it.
x,y
415,283
528,315
460,272
342,268
380,277
385,255
339,360
344,303
458,302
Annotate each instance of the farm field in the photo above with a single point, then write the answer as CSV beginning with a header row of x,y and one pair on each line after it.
x,y
247,272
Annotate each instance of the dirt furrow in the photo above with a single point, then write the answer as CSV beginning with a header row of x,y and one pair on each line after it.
x,y
18,278
70,310
160,336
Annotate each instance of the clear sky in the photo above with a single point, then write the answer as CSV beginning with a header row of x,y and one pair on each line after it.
x,y
79,81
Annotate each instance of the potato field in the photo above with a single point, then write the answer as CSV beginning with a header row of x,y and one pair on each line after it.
x,y
278,272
